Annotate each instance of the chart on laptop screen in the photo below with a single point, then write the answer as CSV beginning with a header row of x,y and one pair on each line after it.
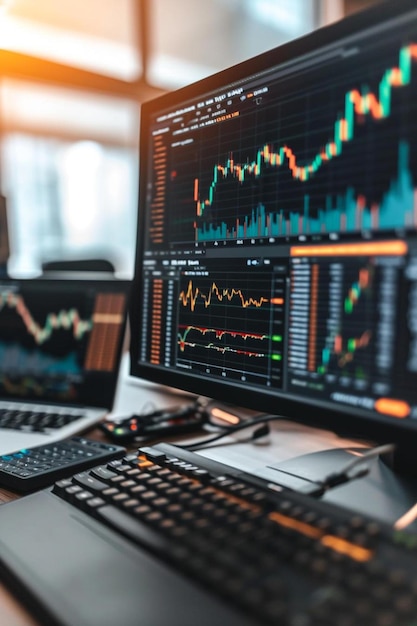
x,y
53,337
280,213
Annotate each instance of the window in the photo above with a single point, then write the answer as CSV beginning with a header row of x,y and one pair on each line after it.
x,y
190,39
70,175
96,35
69,199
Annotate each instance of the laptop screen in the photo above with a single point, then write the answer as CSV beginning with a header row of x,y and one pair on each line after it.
x,y
61,340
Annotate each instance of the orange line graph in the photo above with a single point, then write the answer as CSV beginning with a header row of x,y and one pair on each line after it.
x,y
191,295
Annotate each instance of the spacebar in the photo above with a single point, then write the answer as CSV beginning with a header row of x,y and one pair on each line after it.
x,y
132,528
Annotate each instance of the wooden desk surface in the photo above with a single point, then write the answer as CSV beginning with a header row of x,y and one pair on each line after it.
x,y
12,611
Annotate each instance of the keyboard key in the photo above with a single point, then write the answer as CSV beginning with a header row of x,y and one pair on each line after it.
x,y
87,480
133,528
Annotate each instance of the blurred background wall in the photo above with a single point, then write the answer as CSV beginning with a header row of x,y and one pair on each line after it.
x,y
73,74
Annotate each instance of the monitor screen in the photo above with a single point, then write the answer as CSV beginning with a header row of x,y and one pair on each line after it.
x,y
277,253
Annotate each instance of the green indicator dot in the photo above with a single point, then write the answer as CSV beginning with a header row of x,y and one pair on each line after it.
x,y
276,337
276,357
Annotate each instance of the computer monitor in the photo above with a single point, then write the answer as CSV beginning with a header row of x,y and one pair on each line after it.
x,y
277,254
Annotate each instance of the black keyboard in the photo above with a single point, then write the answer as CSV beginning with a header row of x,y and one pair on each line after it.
x,y
36,421
34,468
281,557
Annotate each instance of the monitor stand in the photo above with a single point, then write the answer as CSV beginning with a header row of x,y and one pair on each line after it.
x,y
306,473
383,494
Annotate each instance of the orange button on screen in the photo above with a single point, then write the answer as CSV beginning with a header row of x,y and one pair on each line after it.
x,y
395,408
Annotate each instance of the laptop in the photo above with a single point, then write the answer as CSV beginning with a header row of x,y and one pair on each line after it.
x,y
60,349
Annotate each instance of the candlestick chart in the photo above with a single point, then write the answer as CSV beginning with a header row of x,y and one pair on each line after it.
x,y
351,311
314,178
342,213
348,340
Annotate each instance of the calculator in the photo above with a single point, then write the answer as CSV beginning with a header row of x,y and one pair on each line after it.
x,y
34,468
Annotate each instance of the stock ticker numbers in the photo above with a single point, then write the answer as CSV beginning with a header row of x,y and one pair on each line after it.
x,y
157,225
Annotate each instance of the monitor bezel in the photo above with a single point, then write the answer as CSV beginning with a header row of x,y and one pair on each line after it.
x,y
320,414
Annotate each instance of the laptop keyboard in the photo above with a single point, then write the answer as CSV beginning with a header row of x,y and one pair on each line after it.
x,y
35,421
281,557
